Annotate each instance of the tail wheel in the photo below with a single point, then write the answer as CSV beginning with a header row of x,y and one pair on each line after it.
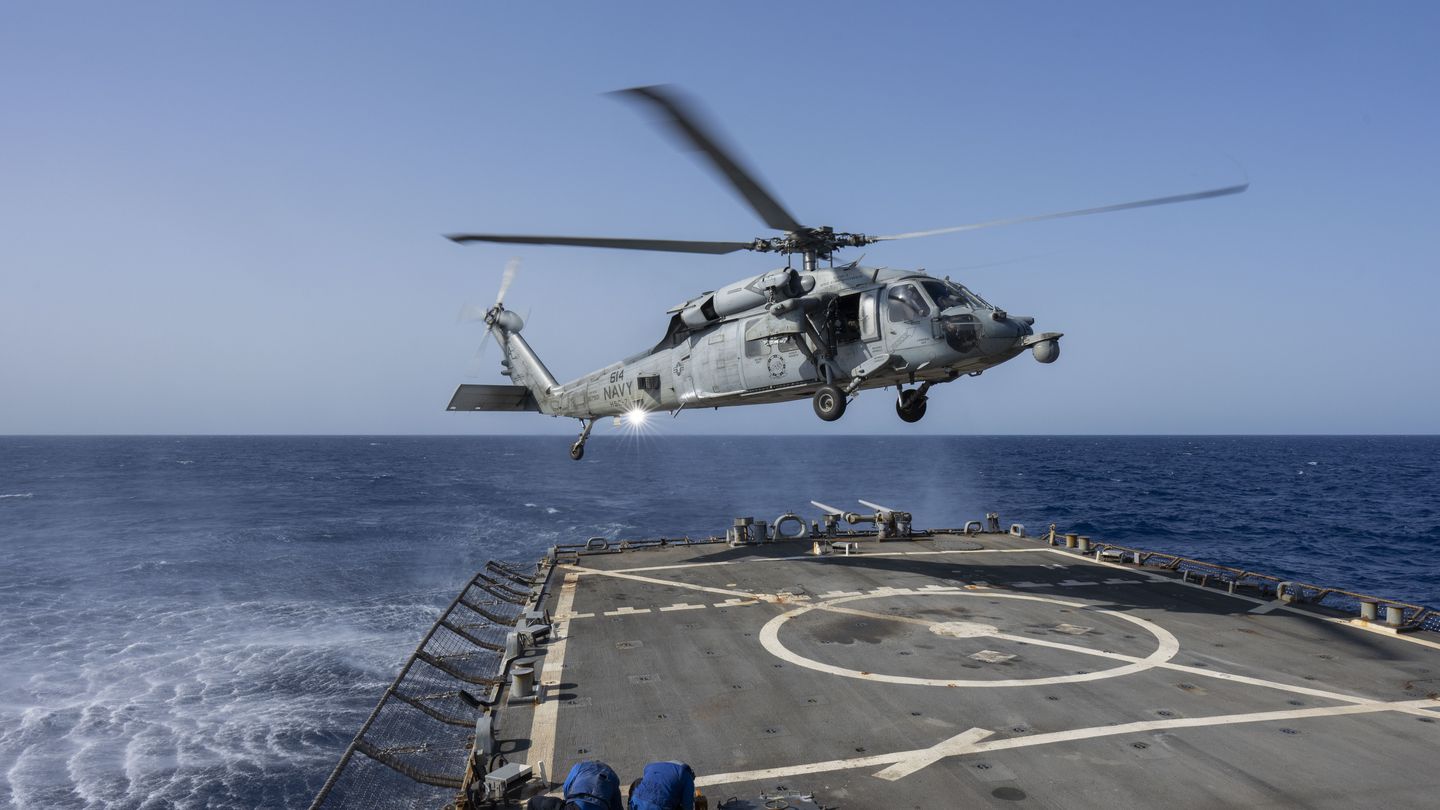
x,y
829,403
911,405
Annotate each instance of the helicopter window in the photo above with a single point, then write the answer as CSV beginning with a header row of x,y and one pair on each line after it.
x,y
975,300
905,303
769,345
947,296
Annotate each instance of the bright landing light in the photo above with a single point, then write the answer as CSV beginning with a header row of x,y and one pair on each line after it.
x,y
635,417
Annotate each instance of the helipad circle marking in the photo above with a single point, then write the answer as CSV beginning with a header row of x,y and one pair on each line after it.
x,y
1167,644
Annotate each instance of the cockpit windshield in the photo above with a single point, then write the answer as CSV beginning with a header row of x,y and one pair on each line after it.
x,y
905,303
948,294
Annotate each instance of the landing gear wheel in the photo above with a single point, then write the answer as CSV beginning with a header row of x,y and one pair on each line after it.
x,y
829,403
577,450
911,405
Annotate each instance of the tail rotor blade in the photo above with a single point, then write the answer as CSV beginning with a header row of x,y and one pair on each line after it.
x,y
470,313
511,268
477,361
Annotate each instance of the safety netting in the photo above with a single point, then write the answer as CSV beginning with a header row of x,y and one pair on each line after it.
x,y
413,750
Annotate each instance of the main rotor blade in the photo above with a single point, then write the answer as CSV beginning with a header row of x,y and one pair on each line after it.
x,y
1104,209
686,123
672,245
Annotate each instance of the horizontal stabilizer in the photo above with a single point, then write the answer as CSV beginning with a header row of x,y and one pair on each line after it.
x,y
493,398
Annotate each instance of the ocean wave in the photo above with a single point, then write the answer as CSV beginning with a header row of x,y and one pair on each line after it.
x,y
18,495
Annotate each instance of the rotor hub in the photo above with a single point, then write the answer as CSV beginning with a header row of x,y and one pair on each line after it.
x,y
822,241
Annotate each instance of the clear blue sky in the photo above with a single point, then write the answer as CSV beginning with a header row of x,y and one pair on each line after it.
x,y
226,217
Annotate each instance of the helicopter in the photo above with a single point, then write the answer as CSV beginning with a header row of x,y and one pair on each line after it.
x,y
822,331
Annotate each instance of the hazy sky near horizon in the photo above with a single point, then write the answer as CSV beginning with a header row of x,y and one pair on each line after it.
x,y
227,218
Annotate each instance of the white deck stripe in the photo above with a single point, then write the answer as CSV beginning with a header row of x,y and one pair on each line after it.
x,y
811,557
962,743
1133,659
1266,605
672,583
626,611
1407,706
543,722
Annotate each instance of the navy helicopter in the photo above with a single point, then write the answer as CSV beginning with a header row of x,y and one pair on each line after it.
x,y
822,331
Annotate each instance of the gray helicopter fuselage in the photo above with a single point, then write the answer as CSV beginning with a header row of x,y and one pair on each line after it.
x,y
890,329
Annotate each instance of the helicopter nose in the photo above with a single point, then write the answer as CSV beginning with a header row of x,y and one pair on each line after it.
x,y
1001,327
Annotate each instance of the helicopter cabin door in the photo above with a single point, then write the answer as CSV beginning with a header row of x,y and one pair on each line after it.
x,y
869,318
715,360
857,329
772,351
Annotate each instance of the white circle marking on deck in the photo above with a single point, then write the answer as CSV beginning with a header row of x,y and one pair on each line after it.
x,y
1167,644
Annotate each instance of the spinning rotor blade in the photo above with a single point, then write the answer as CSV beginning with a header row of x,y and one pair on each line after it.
x,y
511,268
1104,209
475,368
672,245
470,313
686,123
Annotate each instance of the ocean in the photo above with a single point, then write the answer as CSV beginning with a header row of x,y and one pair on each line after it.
x,y
206,621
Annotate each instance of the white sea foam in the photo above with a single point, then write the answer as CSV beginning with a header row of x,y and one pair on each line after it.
x,y
550,510
180,705
18,495
531,505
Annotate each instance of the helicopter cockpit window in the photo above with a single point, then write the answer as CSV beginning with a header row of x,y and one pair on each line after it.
x,y
905,303
947,295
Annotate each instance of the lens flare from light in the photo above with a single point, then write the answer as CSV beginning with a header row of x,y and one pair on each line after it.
x,y
635,417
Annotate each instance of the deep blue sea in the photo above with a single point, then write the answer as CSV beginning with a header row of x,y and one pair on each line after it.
x,y
205,622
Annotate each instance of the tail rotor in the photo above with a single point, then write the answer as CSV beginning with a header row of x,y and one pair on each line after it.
x,y
495,314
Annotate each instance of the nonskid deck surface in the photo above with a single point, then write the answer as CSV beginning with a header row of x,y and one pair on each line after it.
x,y
972,671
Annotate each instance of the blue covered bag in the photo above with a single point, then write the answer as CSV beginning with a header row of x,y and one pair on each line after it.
x,y
664,786
592,785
